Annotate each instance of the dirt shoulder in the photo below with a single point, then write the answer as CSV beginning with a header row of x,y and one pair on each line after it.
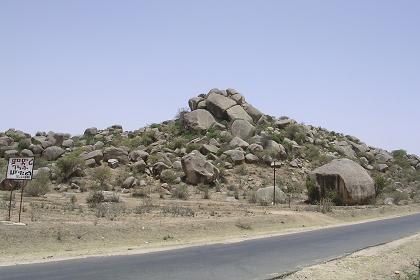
x,y
390,261
55,231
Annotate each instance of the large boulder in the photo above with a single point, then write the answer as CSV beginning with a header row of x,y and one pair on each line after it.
x,y
238,113
237,142
345,148
89,132
277,150
253,112
218,104
198,170
283,122
116,153
242,129
193,102
52,153
236,156
199,119
138,155
96,155
6,141
265,196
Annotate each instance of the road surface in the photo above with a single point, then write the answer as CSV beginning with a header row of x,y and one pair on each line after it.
x,y
252,259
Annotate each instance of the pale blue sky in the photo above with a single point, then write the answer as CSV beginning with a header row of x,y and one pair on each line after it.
x,y
349,66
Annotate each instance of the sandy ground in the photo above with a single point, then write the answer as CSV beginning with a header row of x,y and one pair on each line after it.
x,y
389,261
55,232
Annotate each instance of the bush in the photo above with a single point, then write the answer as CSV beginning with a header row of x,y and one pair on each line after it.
x,y
168,176
101,175
296,132
110,211
400,158
193,146
95,198
380,184
181,192
146,138
325,205
177,143
39,186
178,211
68,164
313,193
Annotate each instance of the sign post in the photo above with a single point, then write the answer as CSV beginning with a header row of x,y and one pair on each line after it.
x,y
274,165
20,170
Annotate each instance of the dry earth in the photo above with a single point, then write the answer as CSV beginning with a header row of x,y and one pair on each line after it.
x,y
56,231
389,261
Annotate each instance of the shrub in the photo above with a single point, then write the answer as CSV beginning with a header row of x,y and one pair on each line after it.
x,y
24,144
212,133
68,164
101,175
39,186
313,193
325,205
178,211
168,176
400,158
193,146
147,138
399,196
177,143
296,132
120,177
181,192
111,211
380,184
95,198
206,191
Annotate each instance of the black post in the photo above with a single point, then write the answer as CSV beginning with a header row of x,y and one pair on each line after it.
x,y
10,202
21,199
274,192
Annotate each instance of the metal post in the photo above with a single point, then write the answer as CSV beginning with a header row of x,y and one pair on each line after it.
x,y
21,199
274,192
10,202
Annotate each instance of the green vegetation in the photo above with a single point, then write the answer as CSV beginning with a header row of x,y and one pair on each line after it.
x,y
313,193
39,186
181,192
400,158
101,175
168,176
24,144
296,132
380,184
67,165
95,198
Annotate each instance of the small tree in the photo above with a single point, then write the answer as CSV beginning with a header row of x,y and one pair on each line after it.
x,y
68,165
313,193
380,184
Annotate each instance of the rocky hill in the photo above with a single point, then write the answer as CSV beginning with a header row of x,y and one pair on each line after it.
x,y
222,142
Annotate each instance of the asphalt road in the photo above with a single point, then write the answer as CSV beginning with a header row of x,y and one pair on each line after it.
x,y
253,259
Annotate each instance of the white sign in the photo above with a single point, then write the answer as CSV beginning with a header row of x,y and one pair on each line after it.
x,y
20,168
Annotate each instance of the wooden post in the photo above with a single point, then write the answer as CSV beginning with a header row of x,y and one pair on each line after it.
x,y
21,198
274,179
10,202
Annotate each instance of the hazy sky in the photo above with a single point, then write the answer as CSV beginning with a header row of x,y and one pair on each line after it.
x,y
349,66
